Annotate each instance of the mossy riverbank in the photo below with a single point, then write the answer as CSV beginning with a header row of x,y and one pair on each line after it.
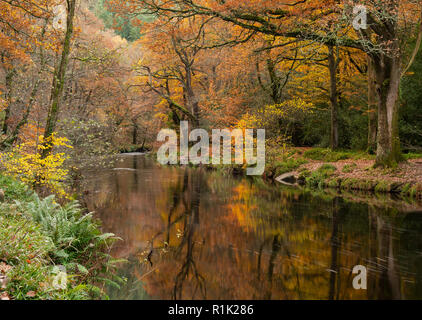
x,y
348,171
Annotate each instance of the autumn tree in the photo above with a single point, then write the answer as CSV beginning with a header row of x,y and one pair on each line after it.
x,y
170,70
23,28
59,76
390,25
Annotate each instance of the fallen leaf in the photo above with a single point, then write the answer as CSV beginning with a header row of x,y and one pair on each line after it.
x,y
4,268
3,281
31,294
4,296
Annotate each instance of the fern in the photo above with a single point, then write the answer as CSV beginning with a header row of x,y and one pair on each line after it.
x,y
71,230
79,244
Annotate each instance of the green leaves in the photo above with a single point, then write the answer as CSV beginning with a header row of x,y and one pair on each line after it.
x,y
70,229
106,236
64,235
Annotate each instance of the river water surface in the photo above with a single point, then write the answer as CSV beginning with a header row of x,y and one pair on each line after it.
x,y
193,234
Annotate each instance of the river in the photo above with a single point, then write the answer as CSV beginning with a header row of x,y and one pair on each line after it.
x,y
189,233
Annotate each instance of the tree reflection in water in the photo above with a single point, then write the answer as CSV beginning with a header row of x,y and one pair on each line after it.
x,y
187,243
192,234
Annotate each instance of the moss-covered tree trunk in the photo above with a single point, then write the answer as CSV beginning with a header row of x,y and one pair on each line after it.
x,y
388,73
59,77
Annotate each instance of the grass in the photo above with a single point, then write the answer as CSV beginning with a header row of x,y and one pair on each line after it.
x,y
411,155
288,165
383,186
14,189
325,176
348,168
405,189
327,155
37,235
318,177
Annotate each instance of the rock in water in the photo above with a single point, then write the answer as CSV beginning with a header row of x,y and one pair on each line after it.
x,y
287,178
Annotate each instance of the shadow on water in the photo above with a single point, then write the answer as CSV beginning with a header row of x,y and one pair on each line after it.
x,y
193,234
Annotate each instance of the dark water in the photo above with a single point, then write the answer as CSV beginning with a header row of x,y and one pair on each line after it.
x,y
192,234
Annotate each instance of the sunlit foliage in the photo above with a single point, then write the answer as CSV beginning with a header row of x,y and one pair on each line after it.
x,y
25,162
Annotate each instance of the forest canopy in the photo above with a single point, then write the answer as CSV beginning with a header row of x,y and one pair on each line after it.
x,y
124,69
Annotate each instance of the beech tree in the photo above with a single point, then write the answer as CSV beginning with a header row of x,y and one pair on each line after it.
x,y
172,65
390,24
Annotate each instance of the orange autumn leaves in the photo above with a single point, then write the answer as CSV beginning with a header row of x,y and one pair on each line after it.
x,y
20,24
226,80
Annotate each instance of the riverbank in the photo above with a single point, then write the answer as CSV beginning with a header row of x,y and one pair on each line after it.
x,y
319,168
48,250
348,171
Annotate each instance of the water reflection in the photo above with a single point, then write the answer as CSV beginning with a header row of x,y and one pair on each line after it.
x,y
192,234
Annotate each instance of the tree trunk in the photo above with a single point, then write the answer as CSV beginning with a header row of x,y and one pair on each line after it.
x,y
191,99
11,139
332,65
9,83
59,77
372,108
135,133
388,82
275,81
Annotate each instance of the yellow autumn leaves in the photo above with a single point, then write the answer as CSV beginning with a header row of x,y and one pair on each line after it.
x,y
264,117
25,163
